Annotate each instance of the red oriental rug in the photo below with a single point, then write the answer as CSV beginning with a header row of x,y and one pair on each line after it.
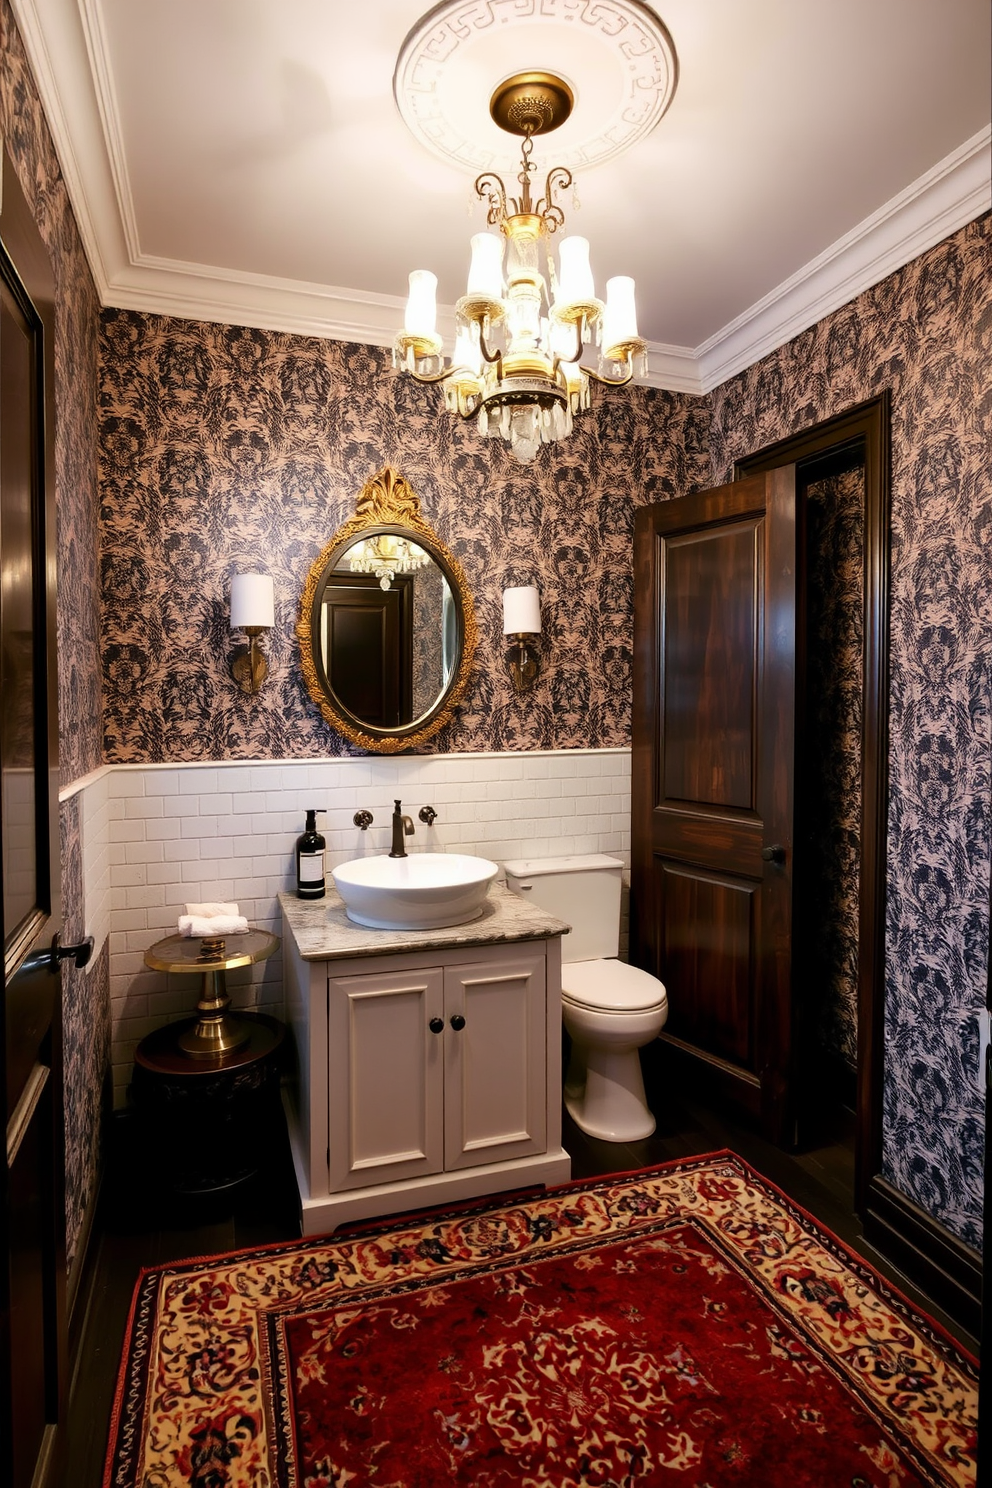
x,y
682,1325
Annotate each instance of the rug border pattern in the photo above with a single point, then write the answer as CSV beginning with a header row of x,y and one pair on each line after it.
x,y
128,1423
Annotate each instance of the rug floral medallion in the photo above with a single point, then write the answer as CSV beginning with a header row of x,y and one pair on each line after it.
x,y
685,1325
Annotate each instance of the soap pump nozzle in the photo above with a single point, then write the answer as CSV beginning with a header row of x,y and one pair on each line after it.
x,y
401,824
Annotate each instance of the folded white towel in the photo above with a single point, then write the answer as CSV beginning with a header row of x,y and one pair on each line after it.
x,y
191,925
211,911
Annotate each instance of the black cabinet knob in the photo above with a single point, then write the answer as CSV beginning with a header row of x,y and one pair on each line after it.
x,y
457,1022
436,1025
774,854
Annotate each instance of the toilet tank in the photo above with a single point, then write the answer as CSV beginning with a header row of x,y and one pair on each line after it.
x,y
583,891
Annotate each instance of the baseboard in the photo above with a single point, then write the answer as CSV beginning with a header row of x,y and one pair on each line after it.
x,y
941,1265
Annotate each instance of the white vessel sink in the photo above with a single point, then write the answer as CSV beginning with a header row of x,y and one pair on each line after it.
x,y
425,891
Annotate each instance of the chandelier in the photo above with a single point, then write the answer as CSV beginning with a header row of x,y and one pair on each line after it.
x,y
521,334
386,555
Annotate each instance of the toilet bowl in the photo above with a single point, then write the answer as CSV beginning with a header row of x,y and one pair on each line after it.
x,y
610,1010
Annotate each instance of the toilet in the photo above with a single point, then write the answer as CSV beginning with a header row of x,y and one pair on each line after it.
x,y
609,1008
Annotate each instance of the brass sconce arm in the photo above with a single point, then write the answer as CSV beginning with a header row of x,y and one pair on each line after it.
x,y
250,668
524,661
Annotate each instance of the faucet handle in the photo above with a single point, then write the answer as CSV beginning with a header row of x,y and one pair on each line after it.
x,y
363,819
427,815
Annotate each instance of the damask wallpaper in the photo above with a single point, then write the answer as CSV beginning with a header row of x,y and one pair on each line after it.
x,y
226,449
926,333
85,1039
828,767
85,999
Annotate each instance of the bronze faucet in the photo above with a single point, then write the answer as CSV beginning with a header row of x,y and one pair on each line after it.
x,y
401,824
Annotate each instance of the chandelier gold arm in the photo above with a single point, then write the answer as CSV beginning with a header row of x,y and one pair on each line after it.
x,y
611,381
489,187
491,356
430,377
559,179
579,348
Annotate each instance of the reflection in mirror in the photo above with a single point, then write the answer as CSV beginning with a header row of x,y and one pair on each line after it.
x,y
387,612
387,626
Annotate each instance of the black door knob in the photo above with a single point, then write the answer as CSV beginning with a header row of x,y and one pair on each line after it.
x,y
436,1025
79,954
457,1022
773,854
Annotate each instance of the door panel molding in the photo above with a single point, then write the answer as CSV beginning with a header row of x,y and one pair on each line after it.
x,y
714,627
24,1110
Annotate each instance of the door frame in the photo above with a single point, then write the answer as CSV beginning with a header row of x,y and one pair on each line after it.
x,y
29,274
867,424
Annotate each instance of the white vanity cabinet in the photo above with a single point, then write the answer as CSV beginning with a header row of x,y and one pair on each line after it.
x,y
423,1075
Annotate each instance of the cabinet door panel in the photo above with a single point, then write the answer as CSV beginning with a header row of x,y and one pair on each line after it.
x,y
385,1091
495,1067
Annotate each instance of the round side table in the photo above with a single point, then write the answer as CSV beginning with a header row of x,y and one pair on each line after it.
x,y
210,1120
215,1031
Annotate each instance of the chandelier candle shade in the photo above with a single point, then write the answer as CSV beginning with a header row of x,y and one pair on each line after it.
x,y
523,326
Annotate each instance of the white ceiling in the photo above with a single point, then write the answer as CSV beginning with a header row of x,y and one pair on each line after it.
x,y
245,161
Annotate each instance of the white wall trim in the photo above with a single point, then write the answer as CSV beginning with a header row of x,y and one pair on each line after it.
x,y
84,781
407,764
945,198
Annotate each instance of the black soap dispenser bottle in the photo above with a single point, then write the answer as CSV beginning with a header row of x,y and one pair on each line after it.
x,y
310,861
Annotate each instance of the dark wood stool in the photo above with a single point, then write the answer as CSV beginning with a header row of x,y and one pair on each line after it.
x,y
210,1122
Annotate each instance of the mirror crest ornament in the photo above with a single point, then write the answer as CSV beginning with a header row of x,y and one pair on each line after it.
x,y
387,508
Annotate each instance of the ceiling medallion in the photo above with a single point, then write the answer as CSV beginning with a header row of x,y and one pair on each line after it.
x,y
525,385
615,56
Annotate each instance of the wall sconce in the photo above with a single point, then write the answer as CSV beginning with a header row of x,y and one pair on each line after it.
x,y
252,610
522,622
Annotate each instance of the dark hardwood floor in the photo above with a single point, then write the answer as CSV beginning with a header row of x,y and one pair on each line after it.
x,y
137,1226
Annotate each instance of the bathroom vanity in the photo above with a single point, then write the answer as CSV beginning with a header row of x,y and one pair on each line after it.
x,y
428,1062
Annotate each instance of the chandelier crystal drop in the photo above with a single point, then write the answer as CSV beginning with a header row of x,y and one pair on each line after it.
x,y
523,326
385,555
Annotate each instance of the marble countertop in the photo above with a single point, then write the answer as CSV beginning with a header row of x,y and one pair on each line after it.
x,y
323,932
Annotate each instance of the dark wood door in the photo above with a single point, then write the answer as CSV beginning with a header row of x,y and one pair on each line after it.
x,y
32,1266
367,647
712,789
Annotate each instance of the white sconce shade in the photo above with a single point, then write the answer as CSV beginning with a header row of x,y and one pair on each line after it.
x,y
521,611
575,281
252,601
485,275
620,319
421,307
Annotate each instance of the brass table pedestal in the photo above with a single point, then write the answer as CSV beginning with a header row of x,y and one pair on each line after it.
x,y
215,1032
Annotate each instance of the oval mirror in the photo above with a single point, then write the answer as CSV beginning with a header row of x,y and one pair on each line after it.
x,y
387,626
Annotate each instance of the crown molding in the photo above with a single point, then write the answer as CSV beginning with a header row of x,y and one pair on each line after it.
x,y
66,51
57,47
956,191
199,292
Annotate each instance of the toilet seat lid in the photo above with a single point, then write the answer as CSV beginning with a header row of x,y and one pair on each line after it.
x,y
612,986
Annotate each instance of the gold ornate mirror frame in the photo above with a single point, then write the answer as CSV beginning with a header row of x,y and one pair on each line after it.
x,y
386,503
